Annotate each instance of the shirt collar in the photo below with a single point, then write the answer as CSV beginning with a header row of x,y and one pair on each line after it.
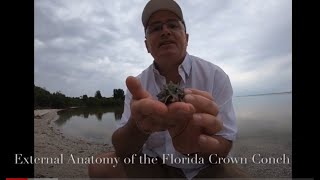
x,y
185,66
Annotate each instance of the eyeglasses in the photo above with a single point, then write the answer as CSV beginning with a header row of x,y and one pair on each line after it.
x,y
157,27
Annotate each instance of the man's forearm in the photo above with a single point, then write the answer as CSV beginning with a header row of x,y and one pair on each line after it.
x,y
128,139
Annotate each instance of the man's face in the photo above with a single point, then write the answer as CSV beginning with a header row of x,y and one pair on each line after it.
x,y
166,38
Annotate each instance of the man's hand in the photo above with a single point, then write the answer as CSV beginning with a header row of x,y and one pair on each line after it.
x,y
192,124
145,112
206,111
151,115
198,135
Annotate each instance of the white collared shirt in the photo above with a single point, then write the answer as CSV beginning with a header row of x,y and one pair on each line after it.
x,y
195,73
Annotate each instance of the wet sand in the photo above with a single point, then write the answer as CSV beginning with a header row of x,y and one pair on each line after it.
x,y
266,158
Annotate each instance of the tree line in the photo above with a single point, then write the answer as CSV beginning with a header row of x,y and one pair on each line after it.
x,y
57,100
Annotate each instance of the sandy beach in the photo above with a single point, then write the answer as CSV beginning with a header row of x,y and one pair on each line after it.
x,y
50,142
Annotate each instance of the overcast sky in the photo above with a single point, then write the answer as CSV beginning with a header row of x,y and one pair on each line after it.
x,y
82,46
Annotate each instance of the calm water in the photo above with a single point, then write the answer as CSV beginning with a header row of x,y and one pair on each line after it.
x,y
266,115
91,124
265,128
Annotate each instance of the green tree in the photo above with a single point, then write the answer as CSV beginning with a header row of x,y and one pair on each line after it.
x,y
41,97
118,94
59,100
98,95
85,97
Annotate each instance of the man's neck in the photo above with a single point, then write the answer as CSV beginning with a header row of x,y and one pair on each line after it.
x,y
170,72
175,78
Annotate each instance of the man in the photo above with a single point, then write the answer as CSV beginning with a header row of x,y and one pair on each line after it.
x,y
182,139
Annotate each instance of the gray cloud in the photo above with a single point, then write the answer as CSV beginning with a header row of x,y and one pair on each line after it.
x,y
85,46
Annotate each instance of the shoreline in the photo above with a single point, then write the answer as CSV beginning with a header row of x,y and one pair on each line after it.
x,y
50,142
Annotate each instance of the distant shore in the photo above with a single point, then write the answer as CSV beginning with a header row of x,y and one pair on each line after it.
x,y
264,94
50,142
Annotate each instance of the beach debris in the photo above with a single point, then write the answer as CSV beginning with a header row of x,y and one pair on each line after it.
x,y
170,93
37,116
